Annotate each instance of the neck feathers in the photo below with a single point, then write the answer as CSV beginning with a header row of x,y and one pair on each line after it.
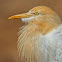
x,y
29,41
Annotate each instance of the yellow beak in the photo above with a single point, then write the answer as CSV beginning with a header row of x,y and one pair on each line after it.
x,y
19,16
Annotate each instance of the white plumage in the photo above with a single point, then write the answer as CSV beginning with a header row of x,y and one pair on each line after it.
x,y
53,45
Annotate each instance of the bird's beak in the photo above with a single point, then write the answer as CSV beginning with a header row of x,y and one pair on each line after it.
x,y
19,16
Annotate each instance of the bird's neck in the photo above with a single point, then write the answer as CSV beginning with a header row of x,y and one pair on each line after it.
x,y
29,41
43,26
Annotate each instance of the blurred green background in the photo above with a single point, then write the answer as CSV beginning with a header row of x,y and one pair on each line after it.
x,y
9,28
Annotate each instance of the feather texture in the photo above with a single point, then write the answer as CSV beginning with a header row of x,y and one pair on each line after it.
x,y
34,47
40,40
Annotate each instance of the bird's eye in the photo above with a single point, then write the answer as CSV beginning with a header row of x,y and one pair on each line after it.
x,y
36,13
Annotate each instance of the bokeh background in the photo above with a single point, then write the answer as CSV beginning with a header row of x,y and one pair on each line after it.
x,y
9,28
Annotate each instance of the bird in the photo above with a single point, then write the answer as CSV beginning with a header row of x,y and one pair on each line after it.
x,y
40,39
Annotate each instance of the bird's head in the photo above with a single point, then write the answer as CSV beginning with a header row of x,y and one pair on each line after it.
x,y
39,13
